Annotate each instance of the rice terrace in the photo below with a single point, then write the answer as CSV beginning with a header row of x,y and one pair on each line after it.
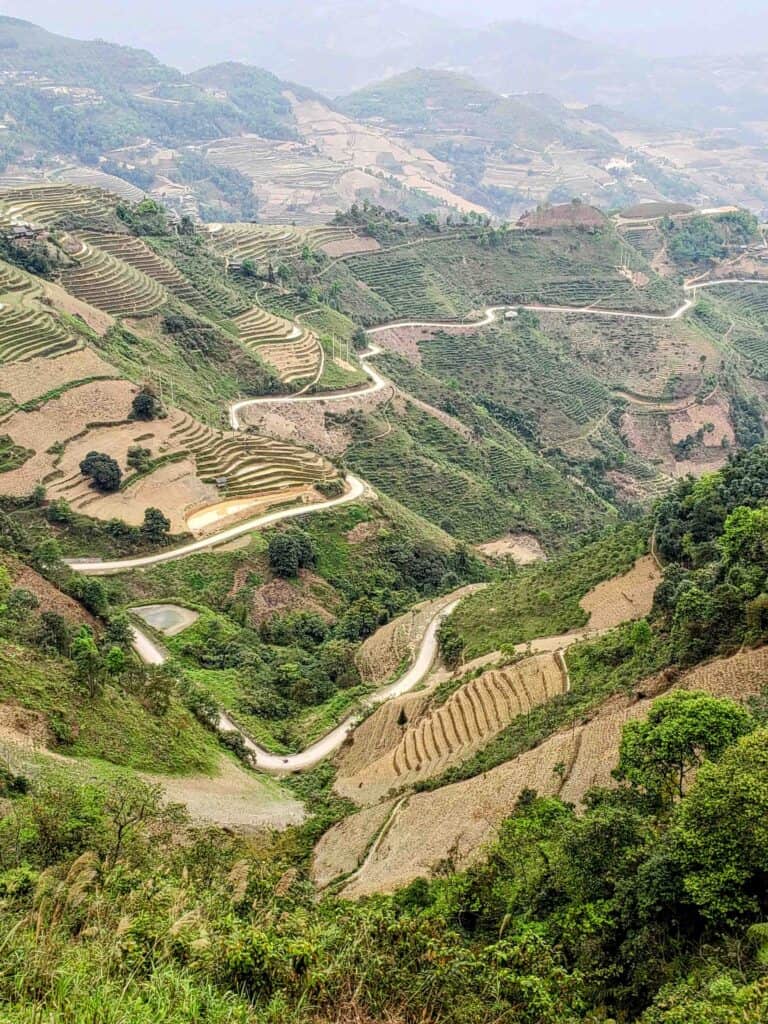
x,y
383,530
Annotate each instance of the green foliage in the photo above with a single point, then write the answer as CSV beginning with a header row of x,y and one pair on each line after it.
x,y
155,526
146,405
103,471
543,599
289,551
144,218
658,753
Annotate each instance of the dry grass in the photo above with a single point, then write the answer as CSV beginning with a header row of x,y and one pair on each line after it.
x,y
32,379
430,741
455,823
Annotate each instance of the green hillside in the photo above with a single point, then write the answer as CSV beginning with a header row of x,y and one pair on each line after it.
x,y
560,267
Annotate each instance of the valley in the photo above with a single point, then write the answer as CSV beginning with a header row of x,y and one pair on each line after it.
x,y
383,539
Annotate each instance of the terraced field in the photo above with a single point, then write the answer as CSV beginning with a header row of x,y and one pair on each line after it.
x,y
243,464
48,204
294,352
647,239
648,358
451,732
288,164
264,244
137,254
26,333
27,329
456,821
91,177
749,299
112,285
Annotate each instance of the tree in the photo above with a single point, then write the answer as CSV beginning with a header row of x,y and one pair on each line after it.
x,y
146,405
103,471
55,633
290,551
362,618
59,511
139,458
337,660
85,655
682,730
156,526
118,631
719,836
129,804
451,644
745,537
47,554
115,661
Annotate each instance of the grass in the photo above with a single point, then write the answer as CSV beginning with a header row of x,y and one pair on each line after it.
x,y
113,726
203,579
202,382
543,599
475,488
12,455
336,377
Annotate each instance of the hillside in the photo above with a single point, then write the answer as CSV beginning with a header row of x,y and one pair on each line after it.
x,y
233,141
507,151
525,825
261,492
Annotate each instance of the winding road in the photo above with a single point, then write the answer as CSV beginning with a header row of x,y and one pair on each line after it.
x,y
152,654
355,486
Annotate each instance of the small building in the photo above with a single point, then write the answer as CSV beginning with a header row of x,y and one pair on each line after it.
x,y
25,232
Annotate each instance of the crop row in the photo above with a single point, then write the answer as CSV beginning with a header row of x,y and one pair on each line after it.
x,y
475,713
112,285
47,204
138,255
27,333
247,464
293,352
90,177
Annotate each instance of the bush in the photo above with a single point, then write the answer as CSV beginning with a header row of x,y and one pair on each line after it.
x,y
290,551
146,405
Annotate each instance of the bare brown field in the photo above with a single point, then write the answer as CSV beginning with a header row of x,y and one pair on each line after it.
x,y
622,598
50,598
306,423
455,823
97,319
32,379
382,653
427,743
355,834
522,548
571,215
232,798
346,246
279,596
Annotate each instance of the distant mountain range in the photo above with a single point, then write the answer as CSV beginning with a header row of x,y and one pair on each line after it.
x,y
530,116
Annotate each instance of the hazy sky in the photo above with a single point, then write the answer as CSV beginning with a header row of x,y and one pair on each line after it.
x,y
663,27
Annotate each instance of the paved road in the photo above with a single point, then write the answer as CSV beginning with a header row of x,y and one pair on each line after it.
x,y
152,654
99,567
377,384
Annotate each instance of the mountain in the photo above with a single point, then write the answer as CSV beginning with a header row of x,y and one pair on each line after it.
x,y
508,152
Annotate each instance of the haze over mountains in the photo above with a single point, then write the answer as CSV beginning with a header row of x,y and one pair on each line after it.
x,y
593,52
493,121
